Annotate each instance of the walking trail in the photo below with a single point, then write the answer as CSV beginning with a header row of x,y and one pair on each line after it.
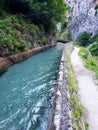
x,y
88,90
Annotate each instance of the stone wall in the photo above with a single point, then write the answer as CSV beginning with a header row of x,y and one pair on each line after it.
x,y
6,62
61,112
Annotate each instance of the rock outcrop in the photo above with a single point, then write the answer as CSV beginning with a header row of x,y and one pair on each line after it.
x,y
84,17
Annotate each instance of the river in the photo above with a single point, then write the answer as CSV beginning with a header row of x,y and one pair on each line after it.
x,y
26,91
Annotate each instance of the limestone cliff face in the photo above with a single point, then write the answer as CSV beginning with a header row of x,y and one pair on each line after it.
x,y
84,17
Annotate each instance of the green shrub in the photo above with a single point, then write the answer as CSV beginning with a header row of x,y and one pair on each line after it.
x,y
93,39
94,49
86,125
86,38
18,35
83,39
89,61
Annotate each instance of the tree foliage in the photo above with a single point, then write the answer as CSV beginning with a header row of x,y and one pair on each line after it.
x,y
46,13
86,38
83,39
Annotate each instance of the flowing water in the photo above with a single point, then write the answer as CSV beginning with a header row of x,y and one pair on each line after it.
x,y
26,91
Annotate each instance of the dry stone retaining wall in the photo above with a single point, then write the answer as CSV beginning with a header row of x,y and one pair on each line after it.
x,y
61,112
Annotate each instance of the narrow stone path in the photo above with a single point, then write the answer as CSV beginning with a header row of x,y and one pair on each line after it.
x,y
88,90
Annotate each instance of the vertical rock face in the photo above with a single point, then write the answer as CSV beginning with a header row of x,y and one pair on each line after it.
x,y
84,17
71,3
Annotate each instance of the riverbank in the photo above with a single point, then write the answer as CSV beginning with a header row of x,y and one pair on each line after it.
x,y
61,110
67,111
6,62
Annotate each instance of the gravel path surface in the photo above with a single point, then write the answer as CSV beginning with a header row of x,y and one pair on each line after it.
x,y
88,90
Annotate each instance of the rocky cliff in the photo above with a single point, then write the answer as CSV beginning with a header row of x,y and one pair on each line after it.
x,y
84,17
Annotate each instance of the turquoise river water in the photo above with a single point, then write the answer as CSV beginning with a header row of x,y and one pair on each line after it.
x,y
26,91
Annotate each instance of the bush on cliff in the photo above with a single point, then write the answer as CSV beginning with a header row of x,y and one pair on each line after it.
x,y
17,35
94,49
86,38
93,39
83,39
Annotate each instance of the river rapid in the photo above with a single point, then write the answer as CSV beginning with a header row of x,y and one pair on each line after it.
x,y
26,91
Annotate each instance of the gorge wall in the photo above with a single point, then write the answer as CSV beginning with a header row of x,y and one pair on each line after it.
x,y
84,17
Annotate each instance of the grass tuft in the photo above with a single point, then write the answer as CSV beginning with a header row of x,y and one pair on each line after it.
x,y
90,61
77,108
86,125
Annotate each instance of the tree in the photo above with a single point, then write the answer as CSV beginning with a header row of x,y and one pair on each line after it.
x,y
46,13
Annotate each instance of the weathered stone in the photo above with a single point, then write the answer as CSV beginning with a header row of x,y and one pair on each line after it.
x,y
84,17
59,93
61,113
